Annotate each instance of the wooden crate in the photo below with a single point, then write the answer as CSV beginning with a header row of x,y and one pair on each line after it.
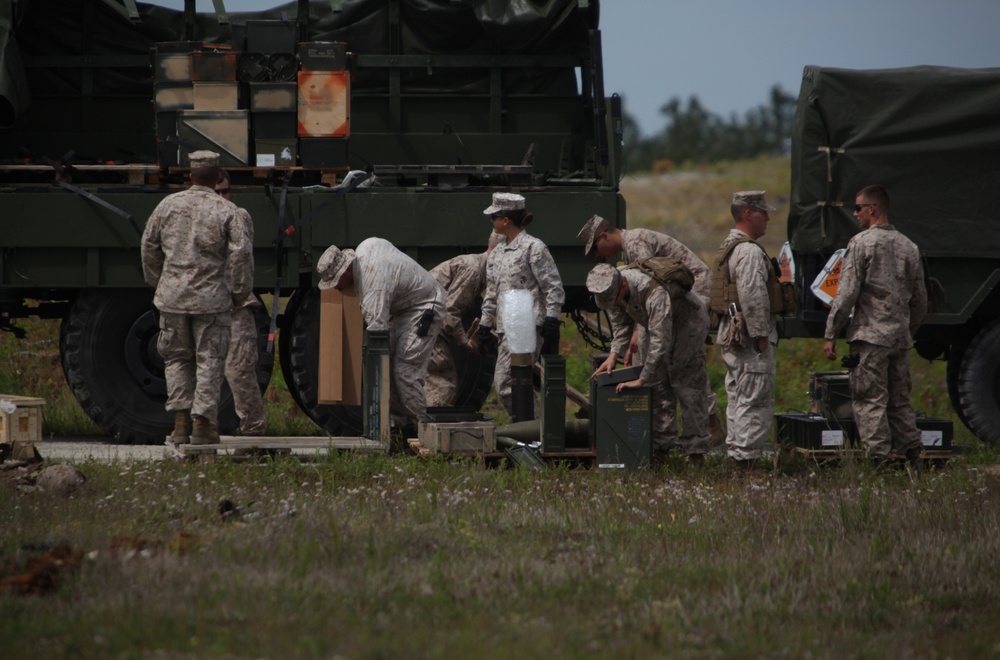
x,y
25,423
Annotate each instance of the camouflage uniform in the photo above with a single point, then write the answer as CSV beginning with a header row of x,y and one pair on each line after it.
x,y
676,320
750,375
524,263
882,284
644,243
463,279
196,253
394,292
241,361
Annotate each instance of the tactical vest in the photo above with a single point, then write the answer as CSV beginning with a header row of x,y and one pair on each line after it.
x,y
781,296
663,270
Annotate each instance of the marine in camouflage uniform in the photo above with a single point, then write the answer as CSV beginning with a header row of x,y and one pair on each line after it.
x,y
395,292
750,369
195,252
524,262
605,240
241,361
882,286
463,279
676,320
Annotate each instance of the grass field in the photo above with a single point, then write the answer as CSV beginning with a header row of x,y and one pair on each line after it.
x,y
357,556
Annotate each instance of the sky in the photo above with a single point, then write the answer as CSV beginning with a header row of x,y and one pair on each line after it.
x,y
730,53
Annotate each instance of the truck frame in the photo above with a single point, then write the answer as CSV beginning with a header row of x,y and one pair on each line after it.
x,y
449,102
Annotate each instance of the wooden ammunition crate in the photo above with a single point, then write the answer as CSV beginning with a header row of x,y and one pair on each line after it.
x,y
458,437
25,423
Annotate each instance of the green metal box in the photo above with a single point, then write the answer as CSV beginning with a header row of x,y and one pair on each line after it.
x,y
621,424
553,408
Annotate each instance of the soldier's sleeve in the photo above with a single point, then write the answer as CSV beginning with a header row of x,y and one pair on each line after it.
x,y
376,301
489,312
660,329
152,250
918,297
543,266
240,259
851,269
621,329
465,286
749,267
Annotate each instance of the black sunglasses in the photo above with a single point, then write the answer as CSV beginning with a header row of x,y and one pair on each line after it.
x,y
497,215
859,207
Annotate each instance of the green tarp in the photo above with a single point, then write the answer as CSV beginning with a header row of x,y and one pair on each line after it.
x,y
930,135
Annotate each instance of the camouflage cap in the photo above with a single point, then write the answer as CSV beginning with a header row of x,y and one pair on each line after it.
x,y
332,265
203,159
589,233
604,281
505,202
753,199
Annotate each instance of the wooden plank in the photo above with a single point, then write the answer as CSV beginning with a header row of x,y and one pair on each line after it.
x,y
228,442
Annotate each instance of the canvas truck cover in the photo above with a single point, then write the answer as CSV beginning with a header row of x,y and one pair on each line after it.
x,y
930,135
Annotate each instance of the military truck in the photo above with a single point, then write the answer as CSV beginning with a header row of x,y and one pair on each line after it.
x,y
440,104
931,135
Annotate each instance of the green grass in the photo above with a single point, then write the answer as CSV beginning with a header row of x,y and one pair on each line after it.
x,y
396,557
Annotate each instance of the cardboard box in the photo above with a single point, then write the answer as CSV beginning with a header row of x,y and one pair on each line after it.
x,y
341,334
476,437
25,423
216,96
172,67
170,97
324,106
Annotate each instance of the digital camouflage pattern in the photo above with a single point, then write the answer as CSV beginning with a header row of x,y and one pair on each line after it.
x,y
750,375
882,285
463,279
524,263
196,253
394,292
241,361
643,243
675,366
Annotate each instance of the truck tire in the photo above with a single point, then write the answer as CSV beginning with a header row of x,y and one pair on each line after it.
x,y
109,357
978,384
956,353
298,350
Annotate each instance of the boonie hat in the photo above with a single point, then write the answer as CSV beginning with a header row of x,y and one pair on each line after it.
x,y
203,158
333,264
753,199
604,281
505,202
589,233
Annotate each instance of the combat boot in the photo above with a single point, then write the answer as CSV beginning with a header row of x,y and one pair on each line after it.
x,y
916,463
182,427
205,431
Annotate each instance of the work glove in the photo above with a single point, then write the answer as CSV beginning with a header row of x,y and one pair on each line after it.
x,y
484,341
550,336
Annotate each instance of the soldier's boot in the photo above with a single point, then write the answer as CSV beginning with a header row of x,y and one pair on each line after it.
x,y
205,431
182,427
915,462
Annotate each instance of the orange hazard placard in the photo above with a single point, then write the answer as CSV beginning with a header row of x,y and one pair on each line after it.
x,y
324,103
826,283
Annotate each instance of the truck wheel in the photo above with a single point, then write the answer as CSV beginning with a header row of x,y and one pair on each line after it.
x,y
299,351
956,353
978,384
109,357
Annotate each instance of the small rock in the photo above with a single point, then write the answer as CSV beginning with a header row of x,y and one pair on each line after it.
x,y
60,479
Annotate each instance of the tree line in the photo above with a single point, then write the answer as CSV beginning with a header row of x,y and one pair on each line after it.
x,y
693,134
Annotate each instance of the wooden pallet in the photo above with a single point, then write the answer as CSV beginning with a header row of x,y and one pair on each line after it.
x,y
229,444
